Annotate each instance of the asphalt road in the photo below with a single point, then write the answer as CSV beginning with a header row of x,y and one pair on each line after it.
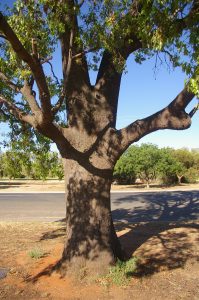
x,y
127,207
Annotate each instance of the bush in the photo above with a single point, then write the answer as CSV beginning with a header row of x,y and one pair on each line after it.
x,y
191,176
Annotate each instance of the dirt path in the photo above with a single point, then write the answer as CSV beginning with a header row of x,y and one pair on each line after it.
x,y
168,263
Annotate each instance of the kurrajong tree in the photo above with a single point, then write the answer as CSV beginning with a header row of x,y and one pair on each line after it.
x,y
101,35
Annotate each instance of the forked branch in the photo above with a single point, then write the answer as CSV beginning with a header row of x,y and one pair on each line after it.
x,y
171,117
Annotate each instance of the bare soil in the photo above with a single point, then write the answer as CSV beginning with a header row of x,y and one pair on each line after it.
x,y
168,255
58,186
168,263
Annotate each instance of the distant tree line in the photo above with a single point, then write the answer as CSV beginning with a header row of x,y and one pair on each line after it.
x,y
36,165
147,163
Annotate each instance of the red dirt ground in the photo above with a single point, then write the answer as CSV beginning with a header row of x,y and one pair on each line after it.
x,y
168,263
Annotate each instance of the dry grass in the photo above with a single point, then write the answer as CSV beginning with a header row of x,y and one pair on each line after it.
x,y
168,263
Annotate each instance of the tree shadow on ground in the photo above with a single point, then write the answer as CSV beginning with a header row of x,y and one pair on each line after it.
x,y
160,206
161,228
5,185
166,235
160,245
56,233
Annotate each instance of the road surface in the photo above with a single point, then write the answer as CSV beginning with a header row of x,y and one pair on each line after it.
x,y
126,207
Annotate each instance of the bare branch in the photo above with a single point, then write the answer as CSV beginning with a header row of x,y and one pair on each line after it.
x,y
84,52
171,117
51,67
27,92
182,100
59,103
194,110
45,60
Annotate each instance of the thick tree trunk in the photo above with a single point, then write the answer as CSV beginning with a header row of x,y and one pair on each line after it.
x,y
91,242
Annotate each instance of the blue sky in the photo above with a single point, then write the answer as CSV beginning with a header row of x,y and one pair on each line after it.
x,y
143,92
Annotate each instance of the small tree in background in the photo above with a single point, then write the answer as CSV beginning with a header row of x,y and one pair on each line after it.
x,y
145,159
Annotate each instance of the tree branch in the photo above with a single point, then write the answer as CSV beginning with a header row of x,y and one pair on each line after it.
x,y
32,62
15,111
78,55
59,103
53,73
190,19
70,48
3,37
7,117
194,110
27,92
9,83
171,117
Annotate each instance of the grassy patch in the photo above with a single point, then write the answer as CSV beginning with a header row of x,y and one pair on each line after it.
x,y
37,253
121,273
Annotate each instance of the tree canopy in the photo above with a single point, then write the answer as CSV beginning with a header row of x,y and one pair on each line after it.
x,y
151,164
31,30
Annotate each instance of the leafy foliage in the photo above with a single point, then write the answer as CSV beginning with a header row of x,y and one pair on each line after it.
x,y
36,165
148,163
161,28
124,172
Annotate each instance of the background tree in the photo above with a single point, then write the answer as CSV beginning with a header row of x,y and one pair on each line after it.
x,y
124,171
37,165
169,167
186,163
88,140
145,159
12,165
195,154
149,163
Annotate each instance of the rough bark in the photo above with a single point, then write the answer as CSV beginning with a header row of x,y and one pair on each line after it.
x,y
91,243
